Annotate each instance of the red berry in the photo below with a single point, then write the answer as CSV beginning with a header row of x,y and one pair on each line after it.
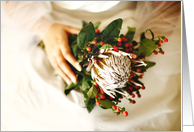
x,y
133,95
139,95
130,49
119,44
89,45
97,30
127,50
159,45
155,52
102,43
97,89
131,74
124,39
131,44
115,48
121,97
141,76
89,49
96,96
130,88
118,110
110,97
97,103
127,45
165,40
161,41
114,107
136,87
96,84
142,87
102,96
101,91
125,113
94,42
138,70
162,52
119,40
133,101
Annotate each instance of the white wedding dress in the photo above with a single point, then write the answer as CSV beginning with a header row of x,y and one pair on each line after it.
x,y
32,97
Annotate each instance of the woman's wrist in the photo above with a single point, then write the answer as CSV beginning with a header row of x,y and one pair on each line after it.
x,y
42,26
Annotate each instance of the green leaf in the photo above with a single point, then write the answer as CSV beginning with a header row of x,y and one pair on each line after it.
x,y
106,103
130,34
86,34
106,46
92,92
72,38
112,30
151,33
147,46
70,87
74,48
137,53
149,64
91,105
134,43
85,84
89,102
97,24
142,36
84,24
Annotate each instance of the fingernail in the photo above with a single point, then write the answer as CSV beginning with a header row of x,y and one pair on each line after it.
x,y
74,80
79,68
68,81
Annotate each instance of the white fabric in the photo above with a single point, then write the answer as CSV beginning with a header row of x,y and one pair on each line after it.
x,y
32,98
91,6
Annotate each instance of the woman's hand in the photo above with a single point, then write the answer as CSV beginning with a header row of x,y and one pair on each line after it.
x,y
59,52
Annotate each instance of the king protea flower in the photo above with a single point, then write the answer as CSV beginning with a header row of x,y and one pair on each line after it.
x,y
111,70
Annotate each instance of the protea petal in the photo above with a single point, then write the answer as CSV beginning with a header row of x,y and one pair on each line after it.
x,y
112,69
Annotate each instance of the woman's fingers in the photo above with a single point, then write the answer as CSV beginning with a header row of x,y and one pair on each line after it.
x,y
65,67
59,51
71,30
56,66
66,51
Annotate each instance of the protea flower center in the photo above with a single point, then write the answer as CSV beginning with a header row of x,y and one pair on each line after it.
x,y
113,71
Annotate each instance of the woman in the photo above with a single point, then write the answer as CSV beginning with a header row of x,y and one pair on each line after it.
x,y
32,97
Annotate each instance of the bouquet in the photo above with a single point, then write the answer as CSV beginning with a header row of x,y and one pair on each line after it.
x,y
113,64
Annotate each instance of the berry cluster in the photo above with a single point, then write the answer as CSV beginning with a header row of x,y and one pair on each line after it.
x,y
123,42
159,42
101,95
119,110
96,42
118,43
